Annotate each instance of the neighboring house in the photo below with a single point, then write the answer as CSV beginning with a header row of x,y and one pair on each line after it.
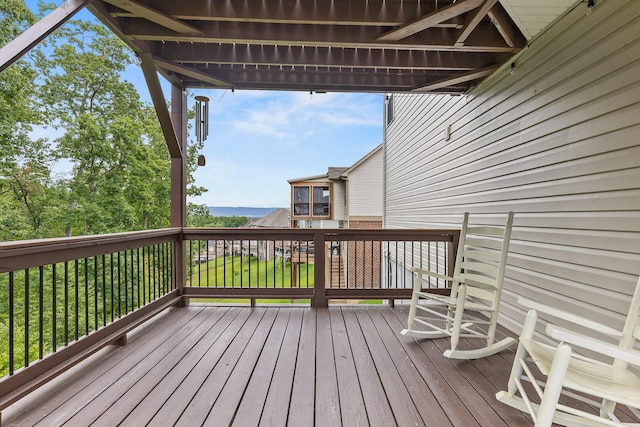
x,y
344,197
552,136
267,249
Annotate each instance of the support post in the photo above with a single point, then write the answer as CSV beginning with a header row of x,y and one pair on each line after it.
x,y
179,182
320,254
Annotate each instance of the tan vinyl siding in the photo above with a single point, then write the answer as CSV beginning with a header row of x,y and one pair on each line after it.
x,y
364,187
558,142
338,200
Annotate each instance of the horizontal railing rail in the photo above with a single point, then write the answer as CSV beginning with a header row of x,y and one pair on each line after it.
x,y
313,264
64,299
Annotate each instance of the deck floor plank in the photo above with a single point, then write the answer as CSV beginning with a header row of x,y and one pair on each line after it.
x,y
425,401
148,368
421,370
484,413
53,398
327,411
278,397
276,366
449,400
301,408
251,377
399,397
240,354
147,408
111,381
351,402
171,370
379,410
220,354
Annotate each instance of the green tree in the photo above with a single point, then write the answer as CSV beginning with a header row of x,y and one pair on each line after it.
x,y
24,163
120,164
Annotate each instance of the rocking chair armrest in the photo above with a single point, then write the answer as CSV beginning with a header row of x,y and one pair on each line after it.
x,y
575,319
431,273
631,356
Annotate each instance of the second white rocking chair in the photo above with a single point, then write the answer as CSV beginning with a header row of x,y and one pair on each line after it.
x,y
471,310
602,382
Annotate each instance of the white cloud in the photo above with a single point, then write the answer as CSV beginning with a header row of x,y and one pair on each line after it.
x,y
287,116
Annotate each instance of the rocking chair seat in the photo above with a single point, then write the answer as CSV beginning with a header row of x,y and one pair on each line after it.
x,y
589,376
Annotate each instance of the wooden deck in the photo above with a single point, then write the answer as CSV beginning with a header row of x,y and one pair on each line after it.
x,y
275,366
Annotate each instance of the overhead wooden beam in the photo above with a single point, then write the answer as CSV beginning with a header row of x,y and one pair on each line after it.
x,y
430,20
324,12
319,79
462,78
159,103
475,20
402,59
190,72
155,16
16,48
432,39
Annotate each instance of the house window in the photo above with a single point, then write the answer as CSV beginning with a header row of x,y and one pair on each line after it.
x,y
389,106
320,200
301,201
311,201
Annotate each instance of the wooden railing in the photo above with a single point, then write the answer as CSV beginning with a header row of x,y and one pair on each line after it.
x,y
62,300
313,264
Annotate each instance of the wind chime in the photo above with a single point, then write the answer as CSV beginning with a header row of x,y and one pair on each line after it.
x,y
202,123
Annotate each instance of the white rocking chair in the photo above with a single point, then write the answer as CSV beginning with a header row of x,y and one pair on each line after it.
x,y
471,310
610,379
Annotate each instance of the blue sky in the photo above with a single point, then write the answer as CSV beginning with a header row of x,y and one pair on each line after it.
x,y
260,139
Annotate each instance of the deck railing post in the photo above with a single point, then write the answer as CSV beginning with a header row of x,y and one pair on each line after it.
x,y
319,295
451,255
180,266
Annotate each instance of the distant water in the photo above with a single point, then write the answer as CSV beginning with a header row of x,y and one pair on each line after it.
x,y
240,211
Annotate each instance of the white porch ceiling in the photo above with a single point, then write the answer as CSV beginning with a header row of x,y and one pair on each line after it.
x,y
533,16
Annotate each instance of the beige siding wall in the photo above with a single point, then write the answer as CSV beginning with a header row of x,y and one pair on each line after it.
x,y
364,188
339,211
558,142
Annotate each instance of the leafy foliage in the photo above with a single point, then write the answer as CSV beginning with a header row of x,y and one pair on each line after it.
x,y
106,139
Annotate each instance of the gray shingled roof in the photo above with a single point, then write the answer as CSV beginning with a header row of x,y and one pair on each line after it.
x,y
276,219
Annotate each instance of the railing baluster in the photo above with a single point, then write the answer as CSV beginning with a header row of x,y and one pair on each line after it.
x,y
112,288
104,291
26,318
41,312
11,323
86,296
95,293
75,297
140,304
66,303
54,329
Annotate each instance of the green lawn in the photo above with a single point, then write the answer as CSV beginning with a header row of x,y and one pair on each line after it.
x,y
248,272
